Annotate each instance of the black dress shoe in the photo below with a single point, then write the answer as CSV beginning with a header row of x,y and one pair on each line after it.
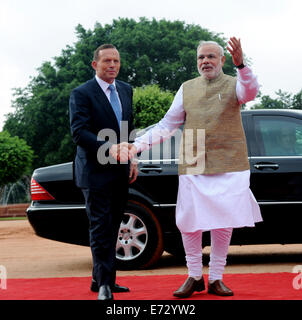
x,y
94,286
115,288
118,288
105,293
189,286
219,288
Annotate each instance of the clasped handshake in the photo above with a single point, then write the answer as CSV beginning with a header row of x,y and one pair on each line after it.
x,y
123,152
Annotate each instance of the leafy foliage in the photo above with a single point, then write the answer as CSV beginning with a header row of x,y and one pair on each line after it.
x,y
150,104
284,100
15,158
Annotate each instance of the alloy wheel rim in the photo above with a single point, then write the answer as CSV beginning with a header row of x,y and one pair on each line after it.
x,y
132,238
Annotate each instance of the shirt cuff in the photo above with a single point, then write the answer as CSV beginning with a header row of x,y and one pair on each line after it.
x,y
245,73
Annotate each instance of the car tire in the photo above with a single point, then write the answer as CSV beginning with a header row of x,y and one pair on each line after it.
x,y
140,238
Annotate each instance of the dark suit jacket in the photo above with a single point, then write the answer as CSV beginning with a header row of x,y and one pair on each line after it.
x,y
91,112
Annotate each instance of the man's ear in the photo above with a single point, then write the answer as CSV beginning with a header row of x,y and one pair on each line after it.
x,y
223,60
93,64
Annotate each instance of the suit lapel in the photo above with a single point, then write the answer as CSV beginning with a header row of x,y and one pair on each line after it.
x,y
103,101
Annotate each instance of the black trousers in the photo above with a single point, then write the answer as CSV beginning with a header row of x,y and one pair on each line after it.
x,y
105,208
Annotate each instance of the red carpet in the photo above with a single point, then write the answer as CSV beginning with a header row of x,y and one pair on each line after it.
x,y
265,286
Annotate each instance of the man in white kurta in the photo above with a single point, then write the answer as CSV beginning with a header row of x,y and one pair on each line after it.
x,y
215,202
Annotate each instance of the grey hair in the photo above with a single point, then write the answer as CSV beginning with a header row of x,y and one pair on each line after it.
x,y
203,43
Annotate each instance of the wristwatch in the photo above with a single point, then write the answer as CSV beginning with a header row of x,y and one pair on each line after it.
x,y
241,66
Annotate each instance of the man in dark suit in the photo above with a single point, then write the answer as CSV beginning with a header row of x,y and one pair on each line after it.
x,y
101,118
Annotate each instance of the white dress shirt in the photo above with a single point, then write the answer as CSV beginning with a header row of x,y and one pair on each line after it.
x,y
207,202
105,87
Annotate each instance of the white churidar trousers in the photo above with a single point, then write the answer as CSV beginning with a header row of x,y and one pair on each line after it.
x,y
220,240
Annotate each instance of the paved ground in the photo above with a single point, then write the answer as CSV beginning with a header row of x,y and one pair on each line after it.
x,y
26,255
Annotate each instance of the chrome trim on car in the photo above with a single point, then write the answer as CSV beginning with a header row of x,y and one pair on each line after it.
x,y
84,207
274,157
81,207
164,205
159,161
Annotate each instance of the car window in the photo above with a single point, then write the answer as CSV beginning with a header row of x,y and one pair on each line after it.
x,y
278,135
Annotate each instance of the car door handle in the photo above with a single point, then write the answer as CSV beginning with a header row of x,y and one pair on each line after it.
x,y
261,166
150,169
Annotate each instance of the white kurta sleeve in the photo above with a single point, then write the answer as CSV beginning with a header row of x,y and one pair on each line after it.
x,y
247,85
165,128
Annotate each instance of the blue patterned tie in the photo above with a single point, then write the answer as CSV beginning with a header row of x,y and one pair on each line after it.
x,y
115,103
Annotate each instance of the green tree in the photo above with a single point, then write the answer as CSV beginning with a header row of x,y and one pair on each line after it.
x,y
15,158
152,52
284,100
150,104
297,101
160,52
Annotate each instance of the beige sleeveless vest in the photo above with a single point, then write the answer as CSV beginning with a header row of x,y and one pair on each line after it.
x,y
213,139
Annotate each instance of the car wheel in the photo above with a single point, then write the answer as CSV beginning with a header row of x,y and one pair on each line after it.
x,y
140,239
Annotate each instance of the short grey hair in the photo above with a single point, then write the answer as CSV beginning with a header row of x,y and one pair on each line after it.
x,y
100,48
203,43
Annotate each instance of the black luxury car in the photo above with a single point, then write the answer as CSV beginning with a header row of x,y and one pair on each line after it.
x,y
274,139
